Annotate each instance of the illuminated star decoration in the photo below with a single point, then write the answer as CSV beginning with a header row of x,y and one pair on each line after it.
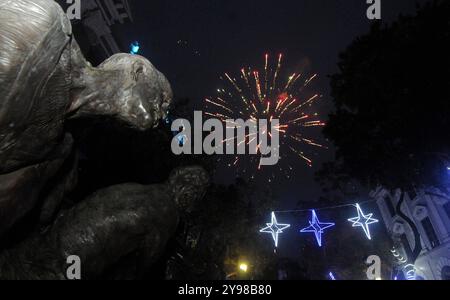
x,y
134,48
363,221
317,227
274,228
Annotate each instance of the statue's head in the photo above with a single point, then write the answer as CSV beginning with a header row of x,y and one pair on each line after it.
x,y
136,92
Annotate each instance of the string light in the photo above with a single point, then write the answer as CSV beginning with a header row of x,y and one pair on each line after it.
x,y
274,228
323,208
410,272
316,227
397,255
363,221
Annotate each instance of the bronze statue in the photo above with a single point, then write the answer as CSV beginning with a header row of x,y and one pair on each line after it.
x,y
44,81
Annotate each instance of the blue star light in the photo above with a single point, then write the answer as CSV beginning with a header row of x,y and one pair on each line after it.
x,y
274,228
316,227
363,221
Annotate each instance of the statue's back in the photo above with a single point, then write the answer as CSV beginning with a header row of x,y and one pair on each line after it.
x,y
34,80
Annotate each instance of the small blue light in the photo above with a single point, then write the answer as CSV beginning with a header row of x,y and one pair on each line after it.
x,y
181,140
332,276
134,48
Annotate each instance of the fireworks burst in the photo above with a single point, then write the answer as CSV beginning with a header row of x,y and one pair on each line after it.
x,y
266,95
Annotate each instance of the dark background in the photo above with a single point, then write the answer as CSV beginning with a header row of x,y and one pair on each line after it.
x,y
223,36
194,42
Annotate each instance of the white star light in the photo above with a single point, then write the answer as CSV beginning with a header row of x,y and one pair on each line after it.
x,y
363,221
274,228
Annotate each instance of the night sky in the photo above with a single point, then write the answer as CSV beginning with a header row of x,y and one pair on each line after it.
x,y
194,42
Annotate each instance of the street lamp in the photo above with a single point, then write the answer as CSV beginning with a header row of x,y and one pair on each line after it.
x,y
243,267
241,270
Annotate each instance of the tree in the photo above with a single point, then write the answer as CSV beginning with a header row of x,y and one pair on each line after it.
x,y
391,124
222,233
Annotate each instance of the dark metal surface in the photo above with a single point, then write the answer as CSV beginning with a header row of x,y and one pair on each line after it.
x,y
44,81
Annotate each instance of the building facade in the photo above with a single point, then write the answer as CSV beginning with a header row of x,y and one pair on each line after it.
x,y
94,31
424,214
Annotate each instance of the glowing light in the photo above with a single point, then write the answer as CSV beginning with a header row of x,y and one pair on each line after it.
x,y
331,275
134,48
274,228
363,221
400,258
243,267
182,140
270,93
316,227
410,272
